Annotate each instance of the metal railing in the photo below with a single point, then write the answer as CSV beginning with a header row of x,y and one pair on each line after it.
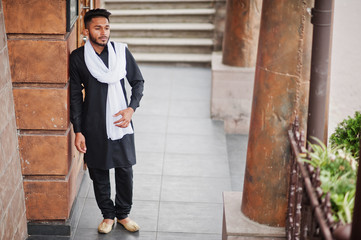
x,y
309,214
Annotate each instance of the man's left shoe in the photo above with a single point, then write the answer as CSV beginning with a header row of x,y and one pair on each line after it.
x,y
105,227
131,226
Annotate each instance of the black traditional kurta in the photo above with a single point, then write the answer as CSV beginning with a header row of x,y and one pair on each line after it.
x,y
89,118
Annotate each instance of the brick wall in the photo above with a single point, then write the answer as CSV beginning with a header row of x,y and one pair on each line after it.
x,y
12,202
39,47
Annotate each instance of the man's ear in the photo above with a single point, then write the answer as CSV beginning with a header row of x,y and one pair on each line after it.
x,y
86,32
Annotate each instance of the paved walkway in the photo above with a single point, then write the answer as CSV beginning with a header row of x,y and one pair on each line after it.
x,y
185,161
182,167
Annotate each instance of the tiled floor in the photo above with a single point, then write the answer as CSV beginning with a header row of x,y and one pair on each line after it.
x,y
183,162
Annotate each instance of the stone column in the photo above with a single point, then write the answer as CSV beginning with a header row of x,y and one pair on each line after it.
x,y
280,93
233,71
39,48
241,33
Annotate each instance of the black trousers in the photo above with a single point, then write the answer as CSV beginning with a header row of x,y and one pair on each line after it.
x,y
124,191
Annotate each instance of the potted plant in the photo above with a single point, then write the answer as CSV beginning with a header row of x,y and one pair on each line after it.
x,y
338,172
347,134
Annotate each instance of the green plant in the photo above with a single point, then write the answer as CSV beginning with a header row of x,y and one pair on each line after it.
x,y
338,171
347,134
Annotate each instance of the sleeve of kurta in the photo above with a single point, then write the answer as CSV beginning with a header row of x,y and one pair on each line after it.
x,y
76,94
135,80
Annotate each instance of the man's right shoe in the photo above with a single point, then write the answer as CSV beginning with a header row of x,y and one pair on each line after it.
x,y
105,227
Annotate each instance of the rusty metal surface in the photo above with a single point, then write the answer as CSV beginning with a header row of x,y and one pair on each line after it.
x,y
316,221
280,93
320,68
241,32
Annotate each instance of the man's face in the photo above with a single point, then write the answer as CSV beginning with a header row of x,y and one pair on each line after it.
x,y
99,31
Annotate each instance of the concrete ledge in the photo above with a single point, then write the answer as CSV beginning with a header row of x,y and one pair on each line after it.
x,y
166,41
162,12
163,26
232,91
159,57
237,226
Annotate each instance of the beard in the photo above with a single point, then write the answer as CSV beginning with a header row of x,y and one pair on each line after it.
x,y
97,41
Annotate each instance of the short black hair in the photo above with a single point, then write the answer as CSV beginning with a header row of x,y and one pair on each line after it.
x,y
98,12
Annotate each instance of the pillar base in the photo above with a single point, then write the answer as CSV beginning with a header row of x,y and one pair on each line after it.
x,y
62,230
236,226
231,100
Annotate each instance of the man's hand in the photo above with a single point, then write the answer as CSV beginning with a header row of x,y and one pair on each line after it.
x,y
126,117
80,142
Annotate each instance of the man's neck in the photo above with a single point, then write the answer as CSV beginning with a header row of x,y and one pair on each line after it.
x,y
99,49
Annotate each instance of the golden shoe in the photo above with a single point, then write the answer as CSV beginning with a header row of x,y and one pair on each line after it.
x,y
105,227
131,226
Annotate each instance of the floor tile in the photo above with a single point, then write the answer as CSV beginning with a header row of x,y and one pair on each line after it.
x,y
150,124
198,77
91,215
195,144
195,126
190,109
158,91
147,187
153,106
149,142
149,163
191,93
76,212
187,236
190,217
116,234
194,189
145,213
237,155
86,185
237,183
202,165
155,75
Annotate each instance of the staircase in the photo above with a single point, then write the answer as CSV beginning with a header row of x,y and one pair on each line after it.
x,y
165,31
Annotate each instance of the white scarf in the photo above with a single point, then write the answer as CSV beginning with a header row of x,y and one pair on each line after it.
x,y
111,76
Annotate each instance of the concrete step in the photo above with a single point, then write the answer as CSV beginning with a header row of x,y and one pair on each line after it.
x,y
168,45
163,16
165,31
162,30
193,59
157,4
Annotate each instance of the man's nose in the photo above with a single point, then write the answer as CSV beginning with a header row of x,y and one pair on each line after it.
x,y
103,31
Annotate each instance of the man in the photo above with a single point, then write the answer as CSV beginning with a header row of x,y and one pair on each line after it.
x,y
102,119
